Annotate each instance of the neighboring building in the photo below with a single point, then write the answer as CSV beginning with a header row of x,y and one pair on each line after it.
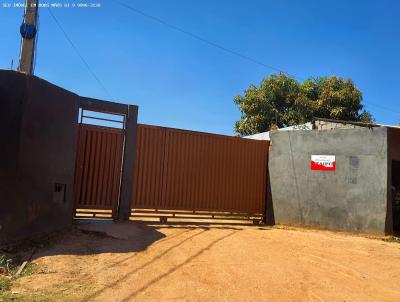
x,y
340,176
316,124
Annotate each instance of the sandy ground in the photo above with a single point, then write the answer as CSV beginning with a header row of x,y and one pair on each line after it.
x,y
218,263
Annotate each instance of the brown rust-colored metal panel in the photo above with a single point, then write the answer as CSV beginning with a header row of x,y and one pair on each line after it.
x,y
98,168
187,170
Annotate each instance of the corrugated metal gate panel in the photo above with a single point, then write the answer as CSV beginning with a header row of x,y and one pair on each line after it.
x,y
186,170
150,144
98,168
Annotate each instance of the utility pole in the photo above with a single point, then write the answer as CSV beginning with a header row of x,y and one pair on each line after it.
x,y
28,32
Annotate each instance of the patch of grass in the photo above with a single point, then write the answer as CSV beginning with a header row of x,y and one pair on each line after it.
x,y
70,295
7,277
7,296
5,284
5,289
393,239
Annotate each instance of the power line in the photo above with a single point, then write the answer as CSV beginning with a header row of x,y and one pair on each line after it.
x,y
192,35
202,39
79,54
383,108
216,45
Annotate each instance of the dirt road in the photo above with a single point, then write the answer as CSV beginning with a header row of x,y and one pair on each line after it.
x,y
220,263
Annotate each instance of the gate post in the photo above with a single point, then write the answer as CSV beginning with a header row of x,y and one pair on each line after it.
x,y
124,207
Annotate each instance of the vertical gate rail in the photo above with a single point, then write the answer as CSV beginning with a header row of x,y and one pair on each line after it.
x,y
187,174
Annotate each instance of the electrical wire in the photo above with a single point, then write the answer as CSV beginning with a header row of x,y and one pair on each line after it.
x,y
202,39
219,46
79,54
383,108
192,35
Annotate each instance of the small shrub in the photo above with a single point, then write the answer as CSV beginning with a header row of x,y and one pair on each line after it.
x,y
28,270
5,265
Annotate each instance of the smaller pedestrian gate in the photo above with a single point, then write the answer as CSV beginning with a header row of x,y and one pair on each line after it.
x,y
187,174
98,171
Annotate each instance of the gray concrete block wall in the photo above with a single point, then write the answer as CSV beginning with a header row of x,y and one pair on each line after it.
x,y
352,198
324,125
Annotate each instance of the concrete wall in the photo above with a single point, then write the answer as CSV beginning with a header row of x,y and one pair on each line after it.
x,y
39,127
352,198
325,125
10,117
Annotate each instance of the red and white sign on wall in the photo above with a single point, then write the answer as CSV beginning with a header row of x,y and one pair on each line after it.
x,y
323,162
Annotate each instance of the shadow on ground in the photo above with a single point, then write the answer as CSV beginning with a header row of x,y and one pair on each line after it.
x,y
97,237
101,237
196,225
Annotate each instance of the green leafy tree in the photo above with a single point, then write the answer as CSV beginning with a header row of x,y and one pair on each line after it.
x,y
282,101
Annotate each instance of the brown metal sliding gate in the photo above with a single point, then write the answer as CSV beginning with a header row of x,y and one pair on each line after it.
x,y
98,171
186,174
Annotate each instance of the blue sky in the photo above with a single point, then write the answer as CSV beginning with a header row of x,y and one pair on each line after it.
x,y
178,81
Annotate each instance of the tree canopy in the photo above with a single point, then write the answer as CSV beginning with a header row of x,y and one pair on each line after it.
x,y
282,101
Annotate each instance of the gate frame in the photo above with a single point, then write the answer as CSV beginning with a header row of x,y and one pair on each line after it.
x,y
130,113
